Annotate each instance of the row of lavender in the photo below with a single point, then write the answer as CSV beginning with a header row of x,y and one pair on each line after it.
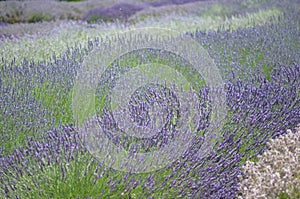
x,y
41,153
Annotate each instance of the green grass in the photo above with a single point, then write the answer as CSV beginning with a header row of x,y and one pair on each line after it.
x,y
78,180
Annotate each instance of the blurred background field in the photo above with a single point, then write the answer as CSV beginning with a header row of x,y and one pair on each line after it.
x,y
45,37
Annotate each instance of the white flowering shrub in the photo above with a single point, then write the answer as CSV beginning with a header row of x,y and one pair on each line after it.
x,y
277,173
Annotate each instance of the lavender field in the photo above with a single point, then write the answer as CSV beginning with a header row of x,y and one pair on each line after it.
x,y
237,117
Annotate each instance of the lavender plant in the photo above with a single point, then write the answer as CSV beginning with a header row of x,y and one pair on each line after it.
x,y
40,40
42,154
119,11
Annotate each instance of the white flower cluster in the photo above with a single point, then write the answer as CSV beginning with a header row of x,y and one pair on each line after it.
x,y
277,173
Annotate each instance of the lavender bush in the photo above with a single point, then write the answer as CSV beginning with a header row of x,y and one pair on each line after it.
x,y
120,11
40,40
123,11
42,154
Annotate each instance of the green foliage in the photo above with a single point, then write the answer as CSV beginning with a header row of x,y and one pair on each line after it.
x,y
96,18
71,0
38,16
217,10
284,196
77,179
12,14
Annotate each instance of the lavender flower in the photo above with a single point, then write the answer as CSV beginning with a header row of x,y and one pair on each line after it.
x,y
42,154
